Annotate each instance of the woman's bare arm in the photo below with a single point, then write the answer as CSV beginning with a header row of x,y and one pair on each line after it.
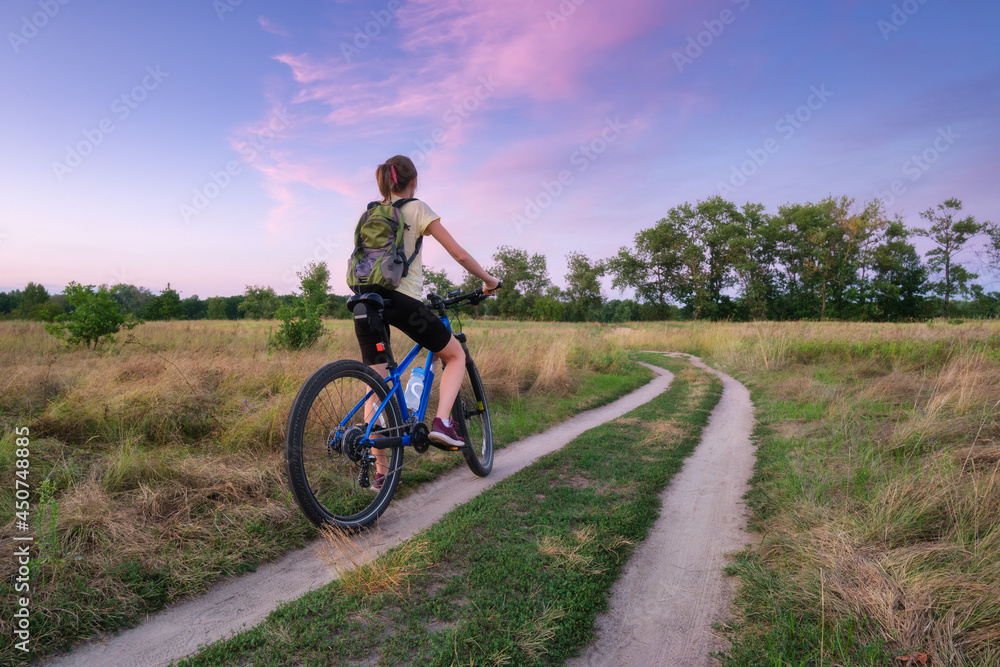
x,y
459,254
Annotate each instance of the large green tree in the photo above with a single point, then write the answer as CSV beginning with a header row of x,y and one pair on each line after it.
x,y
692,256
950,237
752,242
709,255
898,279
583,287
259,303
33,295
36,304
194,308
525,279
133,299
165,306
822,248
9,301
216,308
654,267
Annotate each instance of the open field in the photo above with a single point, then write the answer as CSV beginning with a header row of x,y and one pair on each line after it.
x,y
156,467
876,497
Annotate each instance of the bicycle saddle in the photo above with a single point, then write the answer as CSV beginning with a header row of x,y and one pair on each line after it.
x,y
368,308
370,299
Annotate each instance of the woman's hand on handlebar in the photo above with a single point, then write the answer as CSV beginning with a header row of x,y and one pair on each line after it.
x,y
490,285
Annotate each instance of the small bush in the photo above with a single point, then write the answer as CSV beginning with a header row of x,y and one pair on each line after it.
x,y
302,321
95,317
300,327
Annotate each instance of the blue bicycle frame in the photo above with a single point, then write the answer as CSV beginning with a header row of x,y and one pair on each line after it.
x,y
397,390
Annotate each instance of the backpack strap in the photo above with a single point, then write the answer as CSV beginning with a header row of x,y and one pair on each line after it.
x,y
420,239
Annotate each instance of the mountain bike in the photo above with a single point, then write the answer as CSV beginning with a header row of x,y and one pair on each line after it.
x,y
346,409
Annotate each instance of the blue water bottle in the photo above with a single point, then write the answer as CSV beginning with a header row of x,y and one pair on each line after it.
x,y
414,388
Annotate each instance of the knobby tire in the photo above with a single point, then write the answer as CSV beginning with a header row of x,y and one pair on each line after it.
x,y
471,413
324,462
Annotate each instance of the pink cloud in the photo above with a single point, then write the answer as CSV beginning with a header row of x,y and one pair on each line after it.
x,y
514,56
533,49
529,51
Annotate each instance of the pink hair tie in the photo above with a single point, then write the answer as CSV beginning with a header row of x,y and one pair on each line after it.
x,y
392,168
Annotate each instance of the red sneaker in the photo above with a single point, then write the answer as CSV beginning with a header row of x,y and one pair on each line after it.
x,y
445,435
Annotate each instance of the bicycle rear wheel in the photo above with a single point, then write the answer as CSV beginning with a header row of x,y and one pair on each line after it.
x,y
330,471
471,414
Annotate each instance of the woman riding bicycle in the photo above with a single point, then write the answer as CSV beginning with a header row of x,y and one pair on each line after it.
x,y
397,179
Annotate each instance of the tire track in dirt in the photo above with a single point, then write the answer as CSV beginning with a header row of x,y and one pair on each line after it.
x,y
673,587
239,604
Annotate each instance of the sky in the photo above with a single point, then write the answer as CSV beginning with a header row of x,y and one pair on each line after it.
x,y
215,144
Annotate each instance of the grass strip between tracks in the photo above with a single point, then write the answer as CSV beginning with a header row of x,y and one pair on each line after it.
x,y
516,575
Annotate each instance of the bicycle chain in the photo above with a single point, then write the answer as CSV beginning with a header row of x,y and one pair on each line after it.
x,y
363,477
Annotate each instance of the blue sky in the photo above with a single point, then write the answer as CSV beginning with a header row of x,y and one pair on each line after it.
x,y
214,144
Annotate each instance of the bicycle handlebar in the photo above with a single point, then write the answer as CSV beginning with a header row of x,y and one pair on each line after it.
x,y
474,298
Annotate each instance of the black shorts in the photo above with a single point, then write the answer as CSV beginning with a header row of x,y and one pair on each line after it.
x,y
410,316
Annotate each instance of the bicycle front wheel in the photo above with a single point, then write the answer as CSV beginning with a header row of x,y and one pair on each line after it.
x,y
471,414
330,469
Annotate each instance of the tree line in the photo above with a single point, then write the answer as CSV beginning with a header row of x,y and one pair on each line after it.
x,y
257,302
833,259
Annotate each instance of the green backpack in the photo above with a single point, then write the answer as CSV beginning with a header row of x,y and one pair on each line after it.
x,y
379,257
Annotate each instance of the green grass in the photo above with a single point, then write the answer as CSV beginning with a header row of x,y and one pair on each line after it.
x,y
872,521
515,576
775,625
786,633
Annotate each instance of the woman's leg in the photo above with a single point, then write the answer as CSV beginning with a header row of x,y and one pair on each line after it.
x,y
381,461
453,357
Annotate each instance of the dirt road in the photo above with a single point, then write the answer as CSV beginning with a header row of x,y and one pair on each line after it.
x,y
241,603
673,589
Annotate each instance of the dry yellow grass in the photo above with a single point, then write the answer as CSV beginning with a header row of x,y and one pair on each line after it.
x,y
360,573
886,503
577,553
162,454
183,381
